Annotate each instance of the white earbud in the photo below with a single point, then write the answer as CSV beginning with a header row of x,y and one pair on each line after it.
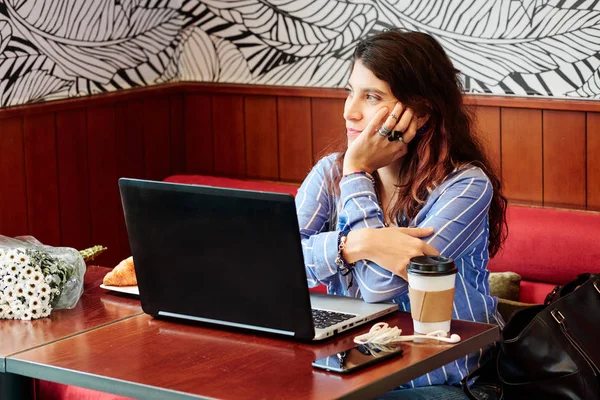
x,y
381,333
454,338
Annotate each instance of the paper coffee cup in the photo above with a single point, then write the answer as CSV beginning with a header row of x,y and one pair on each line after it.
x,y
431,282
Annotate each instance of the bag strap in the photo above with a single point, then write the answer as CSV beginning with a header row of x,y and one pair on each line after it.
x,y
571,286
552,296
561,291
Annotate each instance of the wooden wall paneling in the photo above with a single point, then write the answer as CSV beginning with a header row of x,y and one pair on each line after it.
x,y
105,201
295,138
229,142
309,124
129,139
157,143
177,135
522,154
328,127
73,185
198,134
13,191
593,161
42,178
532,102
564,158
260,122
488,128
528,102
96,100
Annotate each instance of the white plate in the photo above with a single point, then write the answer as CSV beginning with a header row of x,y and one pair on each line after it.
x,y
123,289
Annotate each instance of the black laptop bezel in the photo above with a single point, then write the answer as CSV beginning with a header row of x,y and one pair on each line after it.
x,y
156,212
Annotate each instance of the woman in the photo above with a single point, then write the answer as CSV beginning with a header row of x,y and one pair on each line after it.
x,y
414,180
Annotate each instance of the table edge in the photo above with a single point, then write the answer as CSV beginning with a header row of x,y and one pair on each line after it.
x,y
96,382
139,390
392,381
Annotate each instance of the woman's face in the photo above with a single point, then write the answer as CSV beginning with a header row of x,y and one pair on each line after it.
x,y
366,95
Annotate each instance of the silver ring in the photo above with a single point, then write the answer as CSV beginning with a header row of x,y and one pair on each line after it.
x,y
383,131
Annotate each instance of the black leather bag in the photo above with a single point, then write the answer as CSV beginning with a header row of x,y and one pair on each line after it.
x,y
551,351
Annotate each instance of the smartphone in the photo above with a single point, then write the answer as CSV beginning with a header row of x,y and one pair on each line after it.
x,y
358,357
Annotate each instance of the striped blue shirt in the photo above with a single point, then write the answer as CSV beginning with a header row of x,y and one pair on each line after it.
x,y
457,210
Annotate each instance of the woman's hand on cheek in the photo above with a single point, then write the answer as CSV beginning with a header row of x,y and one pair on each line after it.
x,y
360,153
370,150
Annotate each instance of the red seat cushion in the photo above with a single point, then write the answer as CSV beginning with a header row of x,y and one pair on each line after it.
x,y
534,292
549,245
319,289
56,391
216,181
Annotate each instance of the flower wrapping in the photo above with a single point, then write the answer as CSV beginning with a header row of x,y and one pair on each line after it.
x,y
35,279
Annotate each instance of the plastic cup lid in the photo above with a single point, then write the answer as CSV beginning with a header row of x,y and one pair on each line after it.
x,y
431,266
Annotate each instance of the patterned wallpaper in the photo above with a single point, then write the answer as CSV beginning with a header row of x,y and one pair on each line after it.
x,y
52,49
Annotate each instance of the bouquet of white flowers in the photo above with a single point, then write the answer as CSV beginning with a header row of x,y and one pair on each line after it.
x,y
34,279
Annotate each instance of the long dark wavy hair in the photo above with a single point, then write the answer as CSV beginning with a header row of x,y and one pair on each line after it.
x,y
421,76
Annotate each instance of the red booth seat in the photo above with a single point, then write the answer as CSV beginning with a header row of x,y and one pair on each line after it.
x,y
545,246
264,186
45,390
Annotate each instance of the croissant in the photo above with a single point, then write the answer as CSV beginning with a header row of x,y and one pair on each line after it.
x,y
122,275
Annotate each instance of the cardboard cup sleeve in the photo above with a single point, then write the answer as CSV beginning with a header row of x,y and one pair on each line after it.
x,y
431,306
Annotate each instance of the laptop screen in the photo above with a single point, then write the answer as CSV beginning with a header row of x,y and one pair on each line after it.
x,y
219,254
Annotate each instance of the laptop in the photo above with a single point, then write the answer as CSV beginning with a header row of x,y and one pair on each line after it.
x,y
229,257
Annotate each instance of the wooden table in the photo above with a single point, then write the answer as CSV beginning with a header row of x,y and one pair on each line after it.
x,y
146,358
93,310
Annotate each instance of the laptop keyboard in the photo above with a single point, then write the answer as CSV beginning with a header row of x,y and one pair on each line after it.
x,y
323,319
